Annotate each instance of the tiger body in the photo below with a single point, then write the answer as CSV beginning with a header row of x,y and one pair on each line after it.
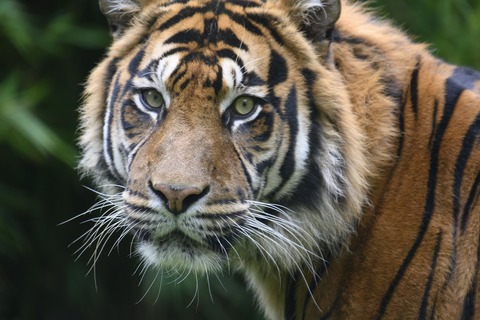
x,y
347,191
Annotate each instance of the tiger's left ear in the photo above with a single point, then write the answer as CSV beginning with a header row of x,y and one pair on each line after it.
x,y
316,18
119,13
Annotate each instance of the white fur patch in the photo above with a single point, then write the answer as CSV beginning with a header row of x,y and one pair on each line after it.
x,y
174,255
119,6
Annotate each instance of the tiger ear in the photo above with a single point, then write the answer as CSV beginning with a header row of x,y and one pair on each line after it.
x,y
316,18
119,14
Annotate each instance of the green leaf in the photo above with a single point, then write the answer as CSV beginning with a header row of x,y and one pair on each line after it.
x,y
16,113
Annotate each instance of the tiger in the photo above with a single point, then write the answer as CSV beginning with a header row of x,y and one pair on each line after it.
x,y
308,144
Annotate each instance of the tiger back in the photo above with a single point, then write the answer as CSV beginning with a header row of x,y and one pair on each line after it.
x,y
308,144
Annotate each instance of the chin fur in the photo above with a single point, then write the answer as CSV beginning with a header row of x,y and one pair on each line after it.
x,y
174,256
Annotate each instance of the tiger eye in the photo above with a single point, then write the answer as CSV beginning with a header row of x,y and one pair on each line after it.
x,y
152,98
243,105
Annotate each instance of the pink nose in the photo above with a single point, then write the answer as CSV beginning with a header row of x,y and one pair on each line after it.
x,y
178,198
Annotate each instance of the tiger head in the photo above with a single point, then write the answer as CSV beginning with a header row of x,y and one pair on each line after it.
x,y
223,133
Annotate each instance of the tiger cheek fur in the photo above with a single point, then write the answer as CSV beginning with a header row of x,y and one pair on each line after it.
x,y
317,150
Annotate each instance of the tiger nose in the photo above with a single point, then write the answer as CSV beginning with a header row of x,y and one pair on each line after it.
x,y
177,197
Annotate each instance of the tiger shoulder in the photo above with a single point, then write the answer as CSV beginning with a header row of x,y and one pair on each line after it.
x,y
308,144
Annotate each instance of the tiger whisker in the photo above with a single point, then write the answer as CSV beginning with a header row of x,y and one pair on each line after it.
x,y
262,250
209,288
289,227
149,287
122,236
196,293
95,232
308,263
103,239
269,230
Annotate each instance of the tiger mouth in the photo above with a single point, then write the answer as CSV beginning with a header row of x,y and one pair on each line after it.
x,y
174,238
179,251
179,240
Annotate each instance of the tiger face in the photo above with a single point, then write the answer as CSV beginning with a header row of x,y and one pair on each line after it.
x,y
209,123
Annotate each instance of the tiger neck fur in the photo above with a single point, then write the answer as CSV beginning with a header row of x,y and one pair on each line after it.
x,y
376,75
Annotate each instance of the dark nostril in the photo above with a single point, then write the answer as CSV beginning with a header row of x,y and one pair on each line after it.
x,y
177,197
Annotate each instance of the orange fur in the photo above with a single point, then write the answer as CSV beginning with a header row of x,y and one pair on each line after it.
x,y
397,219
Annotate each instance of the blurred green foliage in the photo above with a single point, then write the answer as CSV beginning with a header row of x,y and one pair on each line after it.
x,y
47,50
451,26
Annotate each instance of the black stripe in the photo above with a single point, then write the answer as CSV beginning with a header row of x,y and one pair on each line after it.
x,y
245,3
468,311
149,70
109,76
277,73
103,169
452,92
359,53
434,123
472,198
277,70
465,77
127,125
245,23
208,59
184,37
107,134
132,156
218,83
266,21
135,62
471,297
434,308
111,70
337,37
229,54
428,287
308,192
467,147
137,194
251,79
210,30
171,2
392,88
217,8
401,127
140,208
174,50
315,281
414,89
267,119
469,141
263,165
220,216
288,166
180,16
178,77
462,159
185,84
245,171
228,37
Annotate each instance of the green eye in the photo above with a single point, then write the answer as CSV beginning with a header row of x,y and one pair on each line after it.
x,y
243,106
152,98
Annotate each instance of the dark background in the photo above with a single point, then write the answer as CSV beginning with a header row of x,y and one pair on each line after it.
x,y
46,52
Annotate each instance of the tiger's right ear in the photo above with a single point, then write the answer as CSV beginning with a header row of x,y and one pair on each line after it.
x,y
316,18
119,14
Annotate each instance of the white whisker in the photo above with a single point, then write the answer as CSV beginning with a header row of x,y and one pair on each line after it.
x,y
149,287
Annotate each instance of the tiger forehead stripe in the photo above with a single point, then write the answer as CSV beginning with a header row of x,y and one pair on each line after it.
x,y
217,9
